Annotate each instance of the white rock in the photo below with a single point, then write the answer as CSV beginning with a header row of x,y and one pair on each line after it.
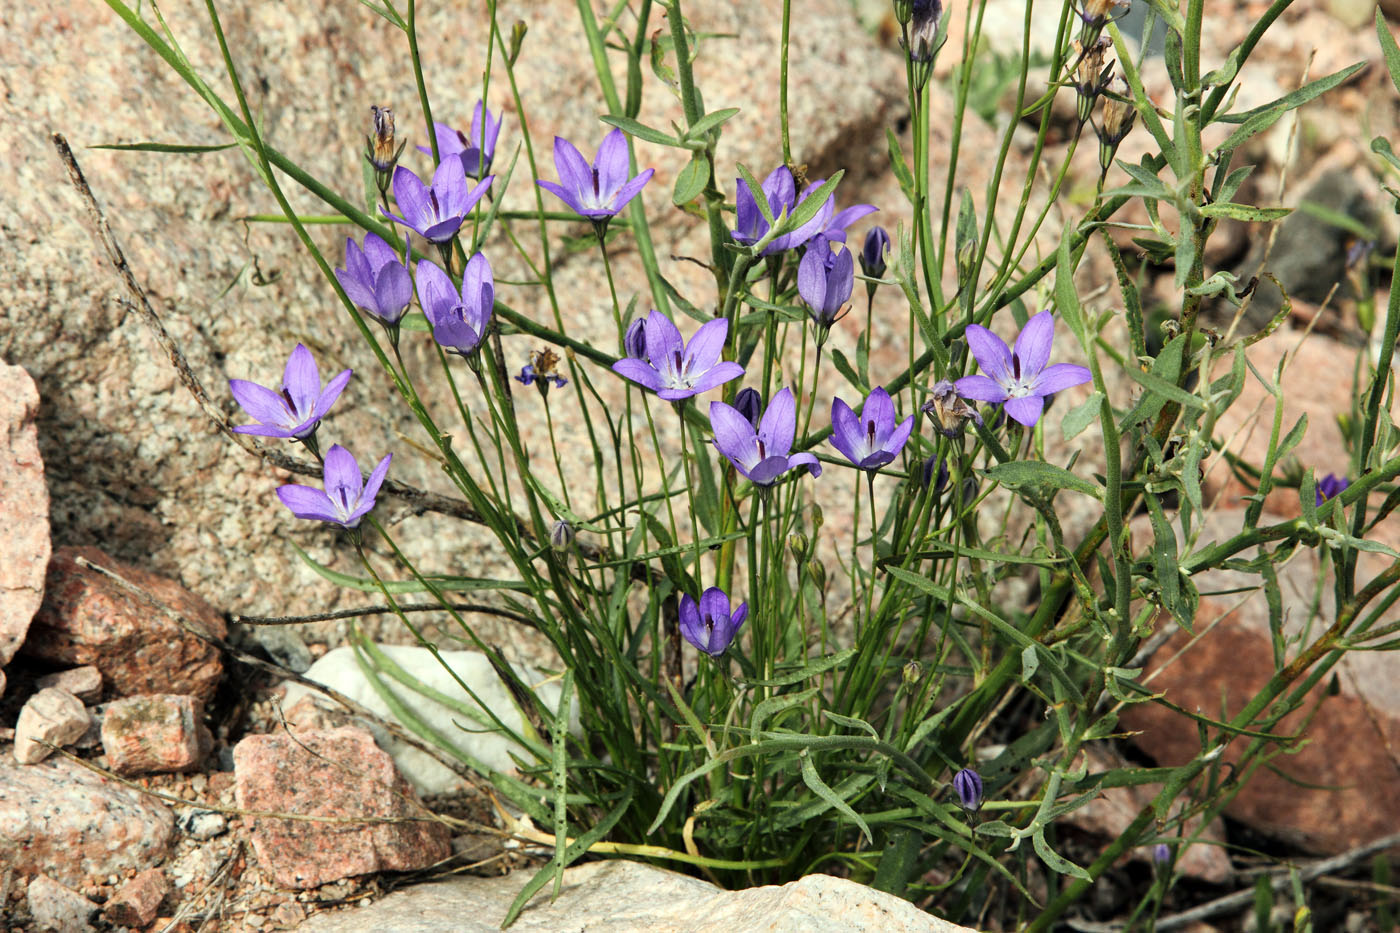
x,y
59,909
51,715
625,897
339,670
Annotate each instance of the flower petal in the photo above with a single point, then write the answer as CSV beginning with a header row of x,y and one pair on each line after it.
x,y
261,403
360,294
411,197
562,193
705,347
341,470
899,436
377,253
664,344
393,292
714,604
845,431
611,163
980,389
575,174
629,191
1025,409
327,397
811,278
1033,344
302,381
639,372
435,291
308,502
450,187
843,219
767,470
779,424
1061,376
991,352
734,436
876,460
478,284
879,408
810,461
717,375
691,626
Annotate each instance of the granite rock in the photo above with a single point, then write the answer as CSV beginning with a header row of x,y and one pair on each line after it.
x,y
163,732
52,716
84,682
24,509
87,618
339,777
57,909
624,897
137,902
61,819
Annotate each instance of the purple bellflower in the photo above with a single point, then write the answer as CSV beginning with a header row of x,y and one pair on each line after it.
x,y
761,454
436,211
1330,486
781,191
675,370
346,499
967,784
598,192
459,319
871,439
1019,376
376,281
476,149
298,408
709,625
824,280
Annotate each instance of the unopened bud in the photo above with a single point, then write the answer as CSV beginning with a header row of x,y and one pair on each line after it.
x,y
817,572
562,536
517,38
799,544
749,404
913,671
634,342
967,784
872,255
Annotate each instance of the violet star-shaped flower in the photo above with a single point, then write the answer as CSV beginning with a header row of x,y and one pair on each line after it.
x,y
871,439
825,278
780,190
709,625
459,318
346,499
475,149
762,454
298,408
374,278
436,211
599,191
1018,376
675,370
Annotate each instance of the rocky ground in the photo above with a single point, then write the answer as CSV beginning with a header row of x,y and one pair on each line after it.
x,y
134,537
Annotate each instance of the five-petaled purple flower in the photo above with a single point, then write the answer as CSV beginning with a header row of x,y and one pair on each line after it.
x,y
761,454
1329,486
871,439
298,408
459,319
1019,376
374,278
475,149
675,370
709,625
781,192
825,278
436,211
600,191
346,499
967,784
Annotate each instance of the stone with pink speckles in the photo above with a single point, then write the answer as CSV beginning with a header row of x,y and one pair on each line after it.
x,y
87,618
24,511
137,901
164,732
63,820
51,717
342,774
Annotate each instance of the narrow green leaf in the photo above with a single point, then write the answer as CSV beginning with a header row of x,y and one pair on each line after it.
x,y
165,147
820,788
1036,474
1081,416
642,131
1244,211
690,181
452,584
1388,48
708,122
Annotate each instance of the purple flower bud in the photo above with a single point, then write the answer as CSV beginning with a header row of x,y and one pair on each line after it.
x,y
923,28
824,280
967,784
634,342
1329,486
1162,853
708,624
749,404
872,256
935,474
561,536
